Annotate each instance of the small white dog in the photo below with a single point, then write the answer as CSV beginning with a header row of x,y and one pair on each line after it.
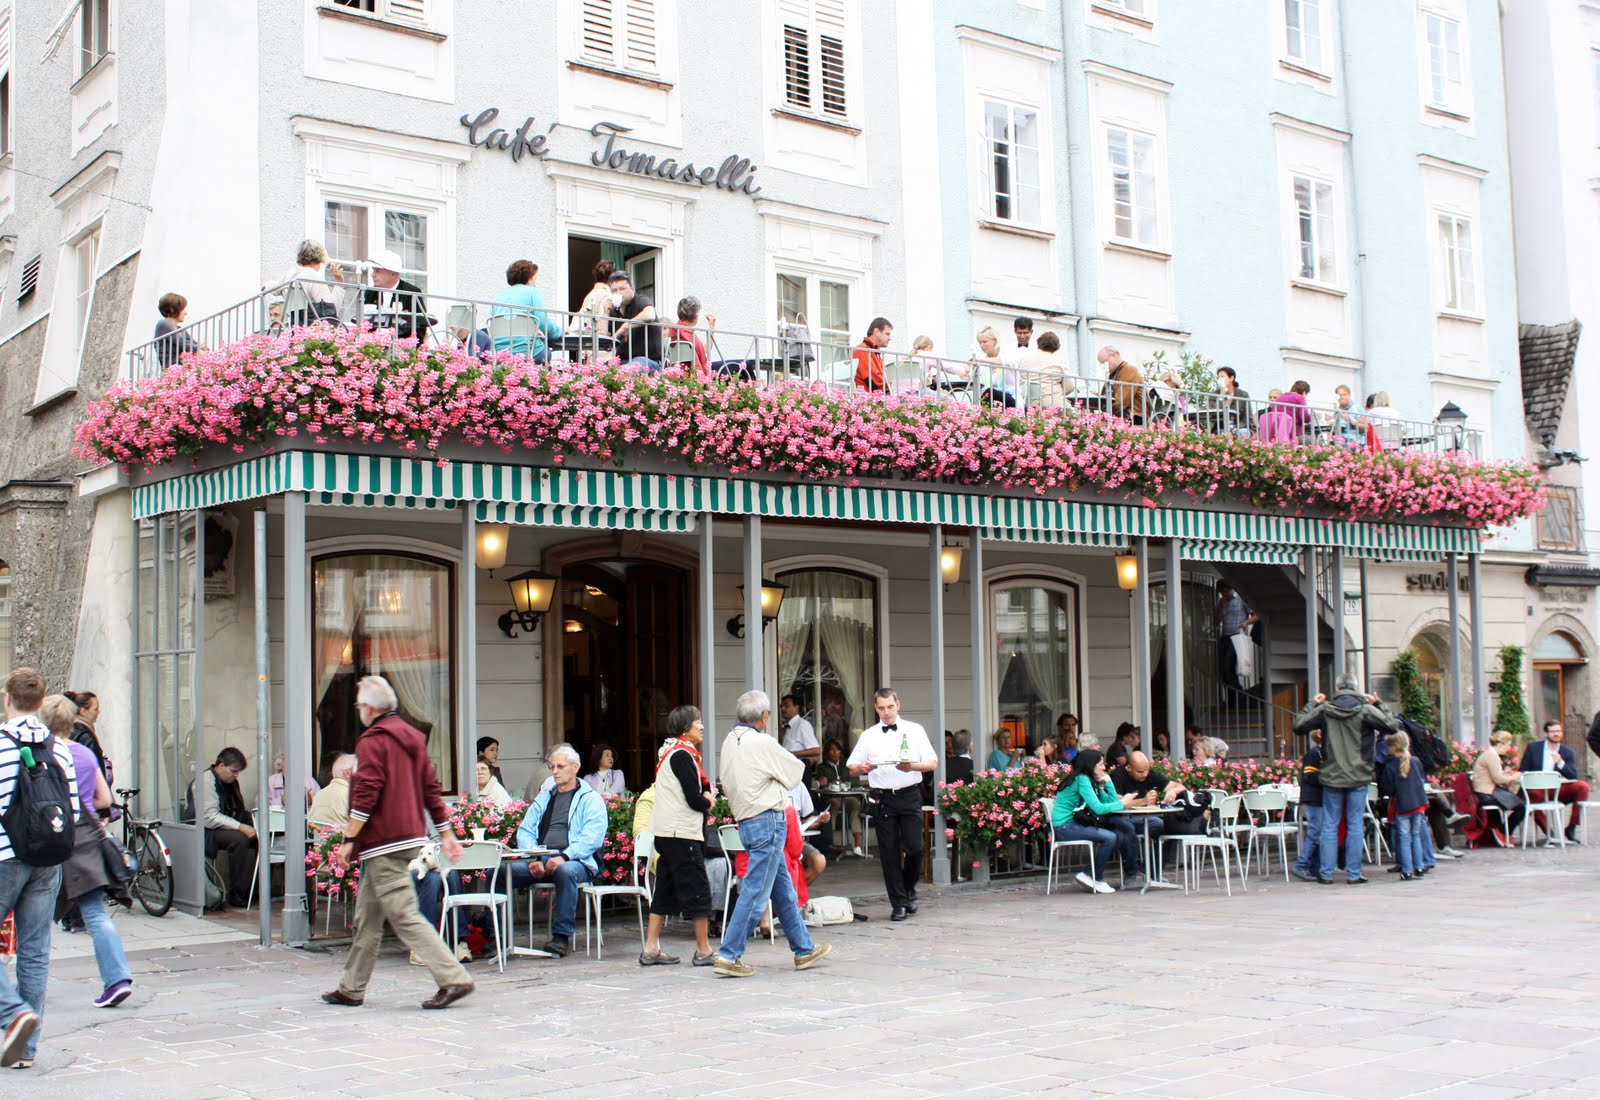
x,y
427,860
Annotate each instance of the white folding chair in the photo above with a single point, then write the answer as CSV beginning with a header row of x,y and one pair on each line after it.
x,y
1369,819
273,847
1230,828
1547,784
510,327
1048,805
595,894
729,836
679,353
477,856
1273,808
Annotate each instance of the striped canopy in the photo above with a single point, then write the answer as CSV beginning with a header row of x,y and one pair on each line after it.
x,y
615,499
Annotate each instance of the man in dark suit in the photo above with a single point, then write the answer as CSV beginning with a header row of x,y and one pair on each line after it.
x,y
958,766
392,302
1551,755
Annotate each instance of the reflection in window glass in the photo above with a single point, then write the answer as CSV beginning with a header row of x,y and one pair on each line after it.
x,y
1035,655
828,650
386,615
407,234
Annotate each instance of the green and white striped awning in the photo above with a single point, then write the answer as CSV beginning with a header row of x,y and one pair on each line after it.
x,y
1218,550
560,496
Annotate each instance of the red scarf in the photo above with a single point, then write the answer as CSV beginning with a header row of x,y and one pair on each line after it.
x,y
671,745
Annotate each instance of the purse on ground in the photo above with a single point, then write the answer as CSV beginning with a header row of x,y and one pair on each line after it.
x,y
828,910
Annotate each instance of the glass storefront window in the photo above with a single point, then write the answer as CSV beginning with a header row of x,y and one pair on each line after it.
x,y
828,650
169,559
386,615
1035,650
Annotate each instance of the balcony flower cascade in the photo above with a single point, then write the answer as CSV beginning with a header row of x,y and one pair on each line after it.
x,y
364,389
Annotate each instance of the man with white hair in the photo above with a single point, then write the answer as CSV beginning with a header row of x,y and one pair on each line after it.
x,y
757,774
394,785
568,818
331,808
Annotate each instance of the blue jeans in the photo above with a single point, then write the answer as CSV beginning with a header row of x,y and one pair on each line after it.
x,y
644,361
1409,829
1310,860
1107,841
1346,806
430,891
568,877
30,893
108,954
766,877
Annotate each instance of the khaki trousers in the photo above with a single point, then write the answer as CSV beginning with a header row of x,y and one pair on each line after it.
x,y
387,893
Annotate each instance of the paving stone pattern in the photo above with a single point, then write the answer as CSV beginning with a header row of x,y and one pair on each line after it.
x,y
1285,991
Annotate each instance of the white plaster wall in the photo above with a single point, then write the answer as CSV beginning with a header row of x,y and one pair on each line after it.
x,y
104,614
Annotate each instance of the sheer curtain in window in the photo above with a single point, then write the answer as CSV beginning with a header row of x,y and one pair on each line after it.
x,y
829,622
1035,626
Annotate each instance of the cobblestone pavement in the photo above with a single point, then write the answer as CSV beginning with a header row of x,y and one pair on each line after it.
x,y
1286,991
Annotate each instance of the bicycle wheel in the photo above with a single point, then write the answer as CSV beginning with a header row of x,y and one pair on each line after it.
x,y
152,885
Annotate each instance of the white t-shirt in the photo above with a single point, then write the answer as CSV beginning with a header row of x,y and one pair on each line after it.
x,y
882,747
800,735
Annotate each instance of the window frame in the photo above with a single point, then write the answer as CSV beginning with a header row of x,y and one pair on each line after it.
x,y
1451,267
395,13
813,278
1012,108
1299,7
86,280
1132,133
1003,578
377,207
1453,101
95,22
1312,216
619,28
845,20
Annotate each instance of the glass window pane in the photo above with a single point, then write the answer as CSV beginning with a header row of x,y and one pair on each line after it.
x,y
791,297
1035,652
407,234
344,232
828,650
835,311
387,615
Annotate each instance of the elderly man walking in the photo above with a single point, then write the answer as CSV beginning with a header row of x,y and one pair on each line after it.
x,y
394,784
1344,721
756,774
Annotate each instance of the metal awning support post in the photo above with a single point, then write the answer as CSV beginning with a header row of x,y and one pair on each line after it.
x,y
1337,596
467,626
1175,722
753,656
1308,588
1142,695
1366,632
296,718
708,648
1266,688
1456,699
1480,681
979,634
263,718
941,851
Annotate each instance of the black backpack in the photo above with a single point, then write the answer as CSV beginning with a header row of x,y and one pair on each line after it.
x,y
1426,745
38,821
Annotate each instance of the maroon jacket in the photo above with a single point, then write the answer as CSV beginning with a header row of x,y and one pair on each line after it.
x,y
394,782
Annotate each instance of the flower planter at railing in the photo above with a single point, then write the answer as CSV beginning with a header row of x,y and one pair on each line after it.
x,y
361,389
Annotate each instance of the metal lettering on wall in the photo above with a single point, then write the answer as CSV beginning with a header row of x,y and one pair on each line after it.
x,y
735,173
1433,582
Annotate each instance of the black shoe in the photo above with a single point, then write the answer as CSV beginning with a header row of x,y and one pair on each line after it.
x,y
1325,881
448,995
340,997
1405,877
899,913
911,904
1571,833
1362,881
559,946
1395,870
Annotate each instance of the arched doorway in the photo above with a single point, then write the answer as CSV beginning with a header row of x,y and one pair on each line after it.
x,y
620,649
1556,658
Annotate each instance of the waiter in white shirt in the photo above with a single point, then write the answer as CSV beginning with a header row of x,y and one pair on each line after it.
x,y
893,755
799,735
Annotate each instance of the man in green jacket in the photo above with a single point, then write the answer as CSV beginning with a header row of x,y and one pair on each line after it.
x,y
1347,722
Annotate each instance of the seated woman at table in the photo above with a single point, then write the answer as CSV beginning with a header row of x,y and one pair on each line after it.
x,y
832,773
1049,751
1005,756
1087,808
1161,744
521,298
604,775
1117,754
1496,781
491,789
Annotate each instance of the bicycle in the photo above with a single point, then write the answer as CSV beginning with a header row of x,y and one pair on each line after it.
x,y
152,882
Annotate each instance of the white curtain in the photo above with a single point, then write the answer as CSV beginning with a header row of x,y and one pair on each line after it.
x,y
337,610
794,634
1042,638
409,645
842,609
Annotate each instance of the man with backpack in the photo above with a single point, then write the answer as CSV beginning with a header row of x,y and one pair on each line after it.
x,y
1346,768
38,806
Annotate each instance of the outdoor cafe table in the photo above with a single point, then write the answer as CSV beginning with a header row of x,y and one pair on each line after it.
x,y
1153,878
522,855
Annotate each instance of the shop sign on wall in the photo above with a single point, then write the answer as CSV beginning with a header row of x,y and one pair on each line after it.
x,y
1433,582
734,173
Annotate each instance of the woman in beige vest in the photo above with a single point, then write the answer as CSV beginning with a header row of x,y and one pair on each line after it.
x,y
678,822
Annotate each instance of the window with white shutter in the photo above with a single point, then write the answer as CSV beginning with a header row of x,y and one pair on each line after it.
x,y
408,13
815,64
621,35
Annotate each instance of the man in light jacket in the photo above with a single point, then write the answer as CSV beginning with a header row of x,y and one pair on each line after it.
x,y
569,818
756,774
1346,768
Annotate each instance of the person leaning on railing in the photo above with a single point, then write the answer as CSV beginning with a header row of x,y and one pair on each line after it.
x,y
172,342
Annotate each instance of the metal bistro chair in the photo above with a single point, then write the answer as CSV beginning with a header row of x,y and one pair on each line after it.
x,y
595,894
1369,819
1230,829
276,849
680,353
484,856
1191,848
1544,783
729,836
1273,808
1048,805
510,327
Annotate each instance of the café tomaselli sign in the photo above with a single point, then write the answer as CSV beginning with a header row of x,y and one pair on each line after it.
x,y
733,173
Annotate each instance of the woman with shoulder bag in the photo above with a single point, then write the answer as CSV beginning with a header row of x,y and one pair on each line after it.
x,y
85,878
1496,783
1089,808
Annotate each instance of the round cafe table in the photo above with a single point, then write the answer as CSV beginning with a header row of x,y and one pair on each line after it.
x,y
1147,814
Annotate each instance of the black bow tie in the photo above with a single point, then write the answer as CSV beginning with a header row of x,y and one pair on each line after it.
x,y
890,728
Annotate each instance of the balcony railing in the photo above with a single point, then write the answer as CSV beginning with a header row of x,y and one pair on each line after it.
x,y
484,327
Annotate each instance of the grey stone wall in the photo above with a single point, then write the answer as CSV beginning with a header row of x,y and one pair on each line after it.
x,y
44,525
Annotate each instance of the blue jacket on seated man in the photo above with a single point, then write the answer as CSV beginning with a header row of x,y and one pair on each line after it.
x,y
570,818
